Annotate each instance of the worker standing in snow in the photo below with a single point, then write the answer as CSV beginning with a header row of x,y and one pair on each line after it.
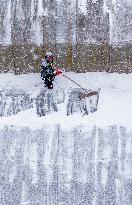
x,y
48,72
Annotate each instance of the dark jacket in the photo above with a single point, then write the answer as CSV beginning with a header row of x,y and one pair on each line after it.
x,y
47,69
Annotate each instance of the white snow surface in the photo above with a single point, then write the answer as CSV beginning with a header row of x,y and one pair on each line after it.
x,y
114,106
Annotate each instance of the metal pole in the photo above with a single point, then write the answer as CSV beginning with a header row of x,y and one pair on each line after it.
x,y
74,82
87,93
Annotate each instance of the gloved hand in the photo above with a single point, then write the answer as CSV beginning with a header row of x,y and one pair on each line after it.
x,y
58,71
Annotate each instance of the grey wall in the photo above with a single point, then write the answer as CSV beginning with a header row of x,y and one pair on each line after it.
x,y
55,166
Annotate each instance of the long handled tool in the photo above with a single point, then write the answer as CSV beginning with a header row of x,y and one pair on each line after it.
x,y
74,82
83,95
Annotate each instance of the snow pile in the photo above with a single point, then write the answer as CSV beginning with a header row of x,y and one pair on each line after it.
x,y
114,106
85,105
60,159
13,101
45,103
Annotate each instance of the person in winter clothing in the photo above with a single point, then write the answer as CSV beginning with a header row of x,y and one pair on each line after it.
x,y
48,72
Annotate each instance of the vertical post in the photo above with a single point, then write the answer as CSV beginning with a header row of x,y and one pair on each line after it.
x,y
43,32
12,46
14,63
55,31
109,57
76,27
76,43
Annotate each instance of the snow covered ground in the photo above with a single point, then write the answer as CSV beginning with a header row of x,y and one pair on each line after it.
x,y
114,106
59,159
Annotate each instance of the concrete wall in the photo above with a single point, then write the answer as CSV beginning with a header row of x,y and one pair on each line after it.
x,y
55,166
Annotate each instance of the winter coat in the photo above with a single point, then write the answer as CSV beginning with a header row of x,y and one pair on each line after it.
x,y
47,69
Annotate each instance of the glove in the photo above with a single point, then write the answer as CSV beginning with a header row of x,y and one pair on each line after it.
x,y
58,71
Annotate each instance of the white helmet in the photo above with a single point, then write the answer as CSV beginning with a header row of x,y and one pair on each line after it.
x,y
49,55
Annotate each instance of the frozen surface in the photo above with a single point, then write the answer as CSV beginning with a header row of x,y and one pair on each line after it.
x,y
58,159
12,101
53,166
114,107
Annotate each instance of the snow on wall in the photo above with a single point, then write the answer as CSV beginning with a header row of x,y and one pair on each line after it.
x,y
55,166
120,14
13,101
7,24
58,159
14,13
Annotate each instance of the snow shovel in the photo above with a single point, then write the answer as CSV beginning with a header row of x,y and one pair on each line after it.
x,y
87,93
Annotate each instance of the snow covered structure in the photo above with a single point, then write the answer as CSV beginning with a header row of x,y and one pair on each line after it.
x,y
85,105
12,101
55,166
74,31
25,22
97,22
120,21
58,159
45,103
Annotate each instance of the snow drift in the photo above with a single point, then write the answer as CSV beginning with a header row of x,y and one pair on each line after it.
x,y
66,159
